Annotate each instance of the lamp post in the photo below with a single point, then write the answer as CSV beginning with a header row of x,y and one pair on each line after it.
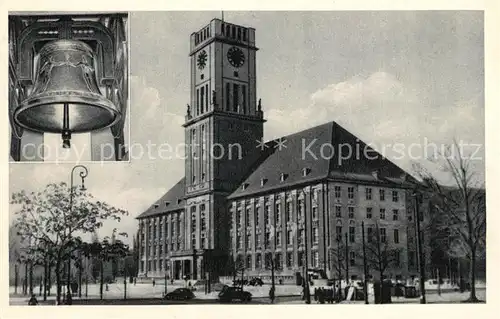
x,y
365,266
306,254
84,172
420,253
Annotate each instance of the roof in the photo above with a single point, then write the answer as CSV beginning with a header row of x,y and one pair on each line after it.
x,y
323,152
173,200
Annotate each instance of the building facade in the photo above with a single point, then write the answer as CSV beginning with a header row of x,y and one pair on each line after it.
x,y
250,202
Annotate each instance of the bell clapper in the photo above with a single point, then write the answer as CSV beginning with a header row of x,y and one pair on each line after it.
x,y
66,133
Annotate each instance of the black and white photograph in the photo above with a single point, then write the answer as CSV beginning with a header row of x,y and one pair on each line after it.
x,y
68,86
270,158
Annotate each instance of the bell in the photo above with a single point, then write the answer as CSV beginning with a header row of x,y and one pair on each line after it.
x,y
66,98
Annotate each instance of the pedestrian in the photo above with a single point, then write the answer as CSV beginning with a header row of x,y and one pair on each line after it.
x,y
135,280
69,299
321,295
154,282
315,294
33,301
271,294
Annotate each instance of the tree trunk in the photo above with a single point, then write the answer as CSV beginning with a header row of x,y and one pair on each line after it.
x,y
102,279
45,281
58,282
472,273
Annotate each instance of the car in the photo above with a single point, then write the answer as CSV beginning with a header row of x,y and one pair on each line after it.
x,y
234,293
180,294
255,282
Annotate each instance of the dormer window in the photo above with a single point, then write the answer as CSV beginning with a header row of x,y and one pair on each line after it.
x,y
263,182
375,174
306,171
283,177
167,203
157,205
179,201
244,186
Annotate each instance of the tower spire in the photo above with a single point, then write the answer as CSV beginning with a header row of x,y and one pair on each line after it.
x,y
222,13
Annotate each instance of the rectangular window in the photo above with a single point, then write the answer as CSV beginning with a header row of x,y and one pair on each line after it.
x,y
258,261
352,258
289,259
249,262
248,216
248,242
350,192
396,236
395,214
289,211
160,265
206,97
239,242
352,234
267,215
369,212
289,237
350,211
315,235
339,233
395,196
202,99
228,96
278,239
302,237
381,193
301,260
315,259
277,212
238,218
236,102
368,193
244,98
338,211
369,234
267,239
382,213
315,212
244,34
197,102
397,258
383,234
257,218
300,213
338,192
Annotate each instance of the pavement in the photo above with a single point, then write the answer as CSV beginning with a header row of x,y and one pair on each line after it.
x,y
147,294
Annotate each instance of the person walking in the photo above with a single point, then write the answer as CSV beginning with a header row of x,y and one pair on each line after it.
x,y
271,294
154,282
33,301
69,299
321,295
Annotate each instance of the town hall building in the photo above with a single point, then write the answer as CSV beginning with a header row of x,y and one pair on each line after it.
x,y
244,203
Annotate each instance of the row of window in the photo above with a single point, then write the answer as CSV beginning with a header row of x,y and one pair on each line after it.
x,y
202,35
175,226
152,249
234,32
368,193
202,98
194,146
237,94
151,265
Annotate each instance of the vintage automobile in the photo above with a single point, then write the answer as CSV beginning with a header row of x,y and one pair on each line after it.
x,y
179,294
234,293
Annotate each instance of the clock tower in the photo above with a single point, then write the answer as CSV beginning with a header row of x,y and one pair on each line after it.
x,y
223,124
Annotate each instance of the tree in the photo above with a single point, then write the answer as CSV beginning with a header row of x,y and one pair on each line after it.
x,y
379,254
48,219
337,258
461,219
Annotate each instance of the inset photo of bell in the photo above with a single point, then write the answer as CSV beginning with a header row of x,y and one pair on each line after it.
x,y
68,86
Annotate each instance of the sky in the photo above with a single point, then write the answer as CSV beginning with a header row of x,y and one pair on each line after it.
x,y
410,78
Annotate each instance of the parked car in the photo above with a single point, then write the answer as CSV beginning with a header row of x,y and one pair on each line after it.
x,y
180,294
255,282
234,293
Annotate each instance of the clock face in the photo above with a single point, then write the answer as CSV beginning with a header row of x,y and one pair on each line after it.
x,y
202,60
236,57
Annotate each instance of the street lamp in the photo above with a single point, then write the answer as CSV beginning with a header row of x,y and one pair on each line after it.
x,y
420,253
83,173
